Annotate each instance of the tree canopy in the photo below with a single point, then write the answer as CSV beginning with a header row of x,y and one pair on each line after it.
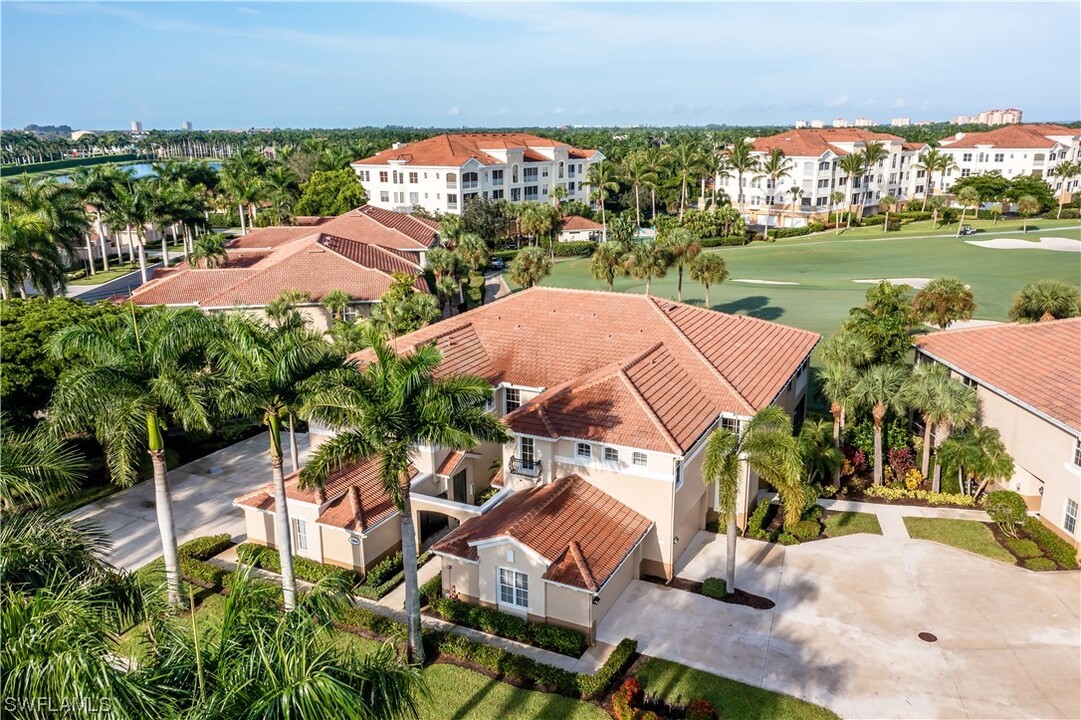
x,y
331,192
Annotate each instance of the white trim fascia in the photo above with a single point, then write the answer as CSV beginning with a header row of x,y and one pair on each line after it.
x,y
1071,468
448,556
504,385
500,539
627,557
613,467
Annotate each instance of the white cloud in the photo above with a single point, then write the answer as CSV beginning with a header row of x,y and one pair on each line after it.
x,y
453,111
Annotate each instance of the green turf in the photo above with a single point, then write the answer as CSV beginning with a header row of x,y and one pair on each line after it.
x,y
103,276
825,265
967,535
850,523
458,694
734,700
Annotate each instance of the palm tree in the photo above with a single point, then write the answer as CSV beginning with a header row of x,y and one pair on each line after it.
x,y
131,209
944,300
890,203
135,374
953,404
822,459
558,194
688,161
796,192
37,467
1027,206
607,263
709,269
657,159
852,165
742,161
765,446
1064,171
978,453
721,170
929,163
639,174
473,254
209,251
393,405
530,266
967,197
283,311
926,391
602,180
873,153
47,223
281,187
844,354
451,229
683,247
881,387
773,168
837,384
1046,300
646,260
336,302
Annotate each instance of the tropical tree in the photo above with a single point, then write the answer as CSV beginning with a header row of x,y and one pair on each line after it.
x,y
1046,300
688,162
884,322
37,467
944,300
530,266
558,194
796,192
131,209
967,197
683,247
977,453
709,269
1064,171
742,161
134,376
890,203
208,251
394,404
773,168
928,163
646,260
601,180
607,263
822,459
451,228
881,388
41,225
403,308
765,446
938,203
852,165
873,153
284,312
639,174
953,405
1027,206
658,160
336,302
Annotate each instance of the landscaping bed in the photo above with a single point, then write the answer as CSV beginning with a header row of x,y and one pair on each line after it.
x,y
1034,548
714,588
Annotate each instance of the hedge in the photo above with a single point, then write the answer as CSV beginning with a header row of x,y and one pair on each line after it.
x,y
550,637
431,590
1040,564
731,240
575,248
374,591
1052,545
204,548
192,557
304,568
757,519
892,493
15,169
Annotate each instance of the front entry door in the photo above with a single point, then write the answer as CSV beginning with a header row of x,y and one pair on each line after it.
x,y
459,487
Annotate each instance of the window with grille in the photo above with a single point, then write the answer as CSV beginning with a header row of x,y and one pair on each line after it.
x,y
512,399
300,534
639,459
1070,522
611,455
1077,453
513,588
583,450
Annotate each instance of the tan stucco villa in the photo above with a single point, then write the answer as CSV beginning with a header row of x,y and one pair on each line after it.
x,y
1028,378
609,398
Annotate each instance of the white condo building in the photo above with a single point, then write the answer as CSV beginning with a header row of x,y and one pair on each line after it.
x,y
1014,150
815,155
442,173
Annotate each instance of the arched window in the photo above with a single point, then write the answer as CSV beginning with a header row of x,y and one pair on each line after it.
x,y
452,180
514,173
469,180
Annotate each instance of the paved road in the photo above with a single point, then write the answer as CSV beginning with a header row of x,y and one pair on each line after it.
x,y
844,631
203,493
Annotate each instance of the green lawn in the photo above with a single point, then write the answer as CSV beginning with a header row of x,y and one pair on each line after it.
x,y
967,535
734,700
825,265
850,523
103,276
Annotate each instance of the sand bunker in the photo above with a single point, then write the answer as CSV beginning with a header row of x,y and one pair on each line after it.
x,y
912,282
1058,244
765,282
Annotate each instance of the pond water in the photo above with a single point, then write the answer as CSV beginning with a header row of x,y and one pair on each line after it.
x,y
137,170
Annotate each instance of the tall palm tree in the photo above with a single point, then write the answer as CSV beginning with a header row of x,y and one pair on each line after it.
x,y
765,446
978,453
558,194
926,392
394,404
796,192
29,254
474,255
873,153
658,160
1046,300
889,202
955,405
134,376
709,269
601,180
844,354
646,260
48,222
607,263
967,197
264,372
1064,171
944,300
742,161
688,162
530,266
722,169
837,198
209,251
683,247
773,168
1027,206
852,165
929,163
37,467
336,302
131,209
881,387
638,173
837,384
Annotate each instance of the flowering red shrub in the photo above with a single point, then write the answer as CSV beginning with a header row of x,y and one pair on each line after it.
x,y
901,460
700,710
624,699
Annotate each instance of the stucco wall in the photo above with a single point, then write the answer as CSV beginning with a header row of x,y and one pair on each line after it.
x,y
461,577
337,550
568,607
259,526
496,556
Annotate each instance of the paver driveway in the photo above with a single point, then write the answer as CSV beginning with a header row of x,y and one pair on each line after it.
x,y
203,493
844,631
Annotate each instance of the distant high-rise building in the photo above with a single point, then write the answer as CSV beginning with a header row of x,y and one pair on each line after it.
x,y
1008,116
801,124
863,122
900,122
817,124
186,125
840,123
136,126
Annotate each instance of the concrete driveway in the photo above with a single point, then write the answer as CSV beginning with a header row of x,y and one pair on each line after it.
x,y
844,631
203,493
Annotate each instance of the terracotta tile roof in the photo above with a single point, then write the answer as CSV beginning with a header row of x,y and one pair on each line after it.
x,y
1037,364
416,228
453,150
813,142
581,531
353,498
270,237
385,228
1011,136
739,363
497,479
577,222
450,463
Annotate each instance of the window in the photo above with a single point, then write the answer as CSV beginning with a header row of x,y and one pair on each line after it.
x,y
967,157
965,172
730,424
497,177
452,180
822,184
514,173
413,177
999,157
527,451
583,450
512,399
611,455
515,194
513,588
824,166
300,534
497,194
469,180
639,459
384,196
452,199
968,381
1070,522
560,169
1077,454
570,187
414,198
529,175
382,176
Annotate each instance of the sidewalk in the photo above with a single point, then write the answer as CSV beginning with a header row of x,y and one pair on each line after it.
x,y
891,517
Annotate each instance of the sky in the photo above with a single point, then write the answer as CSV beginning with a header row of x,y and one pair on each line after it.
x,y
275,64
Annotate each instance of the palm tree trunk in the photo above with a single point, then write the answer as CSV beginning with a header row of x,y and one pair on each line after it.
x,y
730,556
649,279
164,250
961,222
142,260
638,210
940,435
415,650
926,465
679,285
878,413
653,200
101,239
240,209
294,454
90,254
163,505
282,531
707,297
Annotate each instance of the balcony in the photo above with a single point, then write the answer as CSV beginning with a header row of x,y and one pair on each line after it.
x,y
497,182
524,467
470,185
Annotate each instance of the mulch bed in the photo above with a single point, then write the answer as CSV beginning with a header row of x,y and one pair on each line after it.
x,y
1002,537
736,597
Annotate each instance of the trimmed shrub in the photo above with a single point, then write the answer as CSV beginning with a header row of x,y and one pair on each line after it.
x,y
374,592
899,493
714,526
505,255
365,619
700,710
503,663
485,495
384,570
625,699
806,530
1023,548
575,248
730,241
590,686
757,519
1006,508
550,637
1040,564
814,511
304,568
204,548
431,590
714,588
201,572
787,538
1052,545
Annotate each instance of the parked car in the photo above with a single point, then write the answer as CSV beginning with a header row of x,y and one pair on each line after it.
x,y
497,263
968,230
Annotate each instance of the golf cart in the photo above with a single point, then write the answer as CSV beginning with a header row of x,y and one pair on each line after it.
x,y
968,230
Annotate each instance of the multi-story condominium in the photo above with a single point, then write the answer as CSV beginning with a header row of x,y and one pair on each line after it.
x,y
1014,150
1009,116
862,122
1028,379
818,124
602,480
815,155
357,253
900,122
801,124
840,123
441,174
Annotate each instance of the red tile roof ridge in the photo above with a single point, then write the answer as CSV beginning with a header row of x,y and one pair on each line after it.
x,y
650,412
357,506
377,248
654,302
555,490
583,566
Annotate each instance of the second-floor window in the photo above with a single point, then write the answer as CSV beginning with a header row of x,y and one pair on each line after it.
x,y
527,451
413,177
512,399
1069,523
1077,454
639,459
730,424
583,450
611,455
382,176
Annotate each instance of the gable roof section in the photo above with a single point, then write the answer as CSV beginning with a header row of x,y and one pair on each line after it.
x,y
813,142
1011,136
1038,365
270,237
577,222
582,532
453,150
385,228
418,229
